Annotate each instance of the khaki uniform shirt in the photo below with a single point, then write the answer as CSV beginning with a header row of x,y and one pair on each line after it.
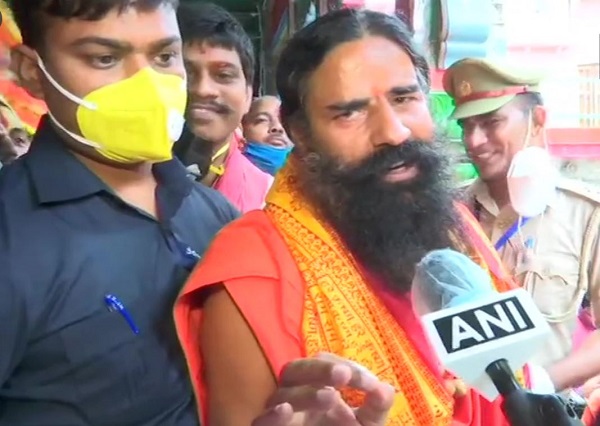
x,y
545,256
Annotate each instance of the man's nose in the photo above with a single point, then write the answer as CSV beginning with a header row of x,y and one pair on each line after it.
x,y
276,129
390,127
204,86
474,137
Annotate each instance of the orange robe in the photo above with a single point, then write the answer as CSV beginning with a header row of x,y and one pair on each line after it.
x,y
302,293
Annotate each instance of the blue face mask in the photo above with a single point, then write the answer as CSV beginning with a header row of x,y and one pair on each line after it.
x,y
268,158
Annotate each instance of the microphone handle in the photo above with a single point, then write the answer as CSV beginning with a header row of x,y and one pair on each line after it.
x,y
519,410
503,377
516,408
527,409
523,408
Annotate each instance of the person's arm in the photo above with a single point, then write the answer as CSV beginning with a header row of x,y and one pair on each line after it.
x,y
238,377
584,363
242,389
579,366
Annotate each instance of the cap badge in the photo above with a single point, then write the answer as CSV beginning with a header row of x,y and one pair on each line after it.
x,y
464,89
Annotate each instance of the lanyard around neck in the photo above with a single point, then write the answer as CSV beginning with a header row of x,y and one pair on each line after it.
x,y
219,170
510,232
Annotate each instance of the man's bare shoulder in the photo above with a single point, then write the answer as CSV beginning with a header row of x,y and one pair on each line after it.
x,y
250,246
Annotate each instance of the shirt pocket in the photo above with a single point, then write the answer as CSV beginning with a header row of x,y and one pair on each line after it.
x,y
553,285
105,357
96,336
122,377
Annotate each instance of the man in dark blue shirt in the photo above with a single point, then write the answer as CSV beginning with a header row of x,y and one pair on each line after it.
x,y
99,228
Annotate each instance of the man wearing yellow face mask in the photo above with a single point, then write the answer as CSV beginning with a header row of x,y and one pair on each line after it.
x,y
545,227
99,226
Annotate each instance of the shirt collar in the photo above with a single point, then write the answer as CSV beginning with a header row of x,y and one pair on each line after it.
x,y
58,176
480,193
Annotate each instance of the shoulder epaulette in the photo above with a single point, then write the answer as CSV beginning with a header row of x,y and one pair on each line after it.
x,y
583,189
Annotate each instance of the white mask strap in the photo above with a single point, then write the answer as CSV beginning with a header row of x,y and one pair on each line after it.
x,y
64,91
545,140
529,127
75,136
525,142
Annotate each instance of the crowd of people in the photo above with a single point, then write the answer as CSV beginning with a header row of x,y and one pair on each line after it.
x,y
177,250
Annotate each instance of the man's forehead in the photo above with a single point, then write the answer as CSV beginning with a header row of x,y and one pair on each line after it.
x,y
264,104
132,26
364,68
206,51
480,117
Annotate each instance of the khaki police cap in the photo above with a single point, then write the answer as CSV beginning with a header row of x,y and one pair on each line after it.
x,y
480,86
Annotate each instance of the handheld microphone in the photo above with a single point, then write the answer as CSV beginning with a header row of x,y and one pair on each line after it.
x,y
483,336
479,335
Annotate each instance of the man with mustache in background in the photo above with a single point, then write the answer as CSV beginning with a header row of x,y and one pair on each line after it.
x,y
545,227
219,60
328,265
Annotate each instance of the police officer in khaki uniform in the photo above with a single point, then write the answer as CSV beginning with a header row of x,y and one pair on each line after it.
x,y
554,255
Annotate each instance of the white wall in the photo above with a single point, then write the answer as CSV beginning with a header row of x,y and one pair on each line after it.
x,y
546,23
586,31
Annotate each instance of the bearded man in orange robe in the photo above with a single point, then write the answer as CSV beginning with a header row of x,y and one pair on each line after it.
x,y
328,265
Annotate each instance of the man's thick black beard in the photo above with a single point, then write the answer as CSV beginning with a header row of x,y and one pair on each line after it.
x,y
387,227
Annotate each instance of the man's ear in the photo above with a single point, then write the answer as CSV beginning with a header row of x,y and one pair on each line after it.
x,y
539,117
24,64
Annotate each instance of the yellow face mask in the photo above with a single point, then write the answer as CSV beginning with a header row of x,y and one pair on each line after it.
x,y
133,120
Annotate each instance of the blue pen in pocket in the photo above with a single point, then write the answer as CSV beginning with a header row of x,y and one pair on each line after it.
x,y
530,243
114,304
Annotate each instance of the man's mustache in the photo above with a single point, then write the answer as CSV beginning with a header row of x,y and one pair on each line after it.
x,y
217,107
410,153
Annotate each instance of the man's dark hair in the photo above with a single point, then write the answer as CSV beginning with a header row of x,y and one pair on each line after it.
x,y
307,49
210,23
28,13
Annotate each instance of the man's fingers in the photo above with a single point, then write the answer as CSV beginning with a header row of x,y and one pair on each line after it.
x,y
309,385
376,407
340,415
361,379
328,370
305,398
315,372
280,415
